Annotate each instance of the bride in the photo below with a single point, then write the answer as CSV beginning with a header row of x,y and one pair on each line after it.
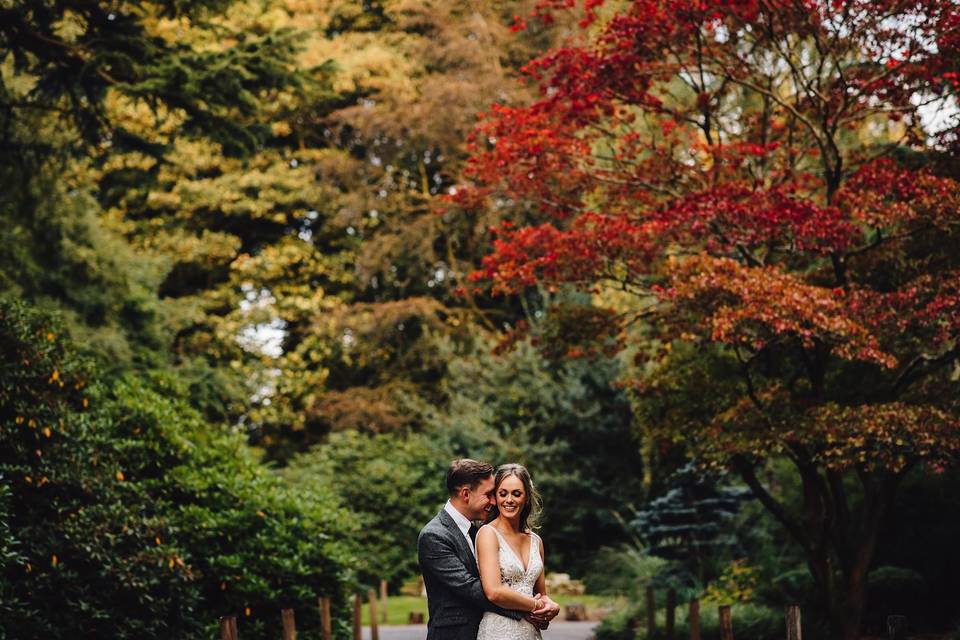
x,y
510,556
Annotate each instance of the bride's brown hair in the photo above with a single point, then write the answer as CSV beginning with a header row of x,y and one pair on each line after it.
x,y
532,506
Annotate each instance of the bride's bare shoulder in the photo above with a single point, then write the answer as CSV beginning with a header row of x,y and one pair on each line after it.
x,y
486,532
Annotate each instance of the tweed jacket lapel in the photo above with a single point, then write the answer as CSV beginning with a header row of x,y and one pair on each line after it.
x,y
465,554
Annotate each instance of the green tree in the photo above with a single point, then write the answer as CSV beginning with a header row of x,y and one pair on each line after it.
x,y
567,423
135,515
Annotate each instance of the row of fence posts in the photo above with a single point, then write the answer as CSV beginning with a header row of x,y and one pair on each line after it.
x,y
896,624
228,624
693,618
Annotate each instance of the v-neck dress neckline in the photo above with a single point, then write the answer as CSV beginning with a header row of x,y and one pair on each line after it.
x,y
516,556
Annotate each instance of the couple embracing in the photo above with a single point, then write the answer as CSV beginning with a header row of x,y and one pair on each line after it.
x,y
485,582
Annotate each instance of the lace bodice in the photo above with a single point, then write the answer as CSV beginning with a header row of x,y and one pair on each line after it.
x,y
513,575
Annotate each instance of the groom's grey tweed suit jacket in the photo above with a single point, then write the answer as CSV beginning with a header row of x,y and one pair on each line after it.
x,y
455,597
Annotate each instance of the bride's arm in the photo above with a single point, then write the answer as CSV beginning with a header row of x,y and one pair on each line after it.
x,y
488,557
541,586
550,608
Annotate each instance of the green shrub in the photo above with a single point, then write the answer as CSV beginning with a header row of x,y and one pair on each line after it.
x,y
894,590
393,483
795,585
623,570
750,620
621,624
137,518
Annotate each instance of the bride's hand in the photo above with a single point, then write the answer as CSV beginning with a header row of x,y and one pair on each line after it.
x,y
548,609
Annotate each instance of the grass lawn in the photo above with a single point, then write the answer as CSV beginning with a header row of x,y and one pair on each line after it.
x,y
400,607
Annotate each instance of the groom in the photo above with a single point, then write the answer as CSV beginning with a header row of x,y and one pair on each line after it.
x,y
448,558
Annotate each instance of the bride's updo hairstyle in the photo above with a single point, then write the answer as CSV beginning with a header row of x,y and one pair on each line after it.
x,y
532,506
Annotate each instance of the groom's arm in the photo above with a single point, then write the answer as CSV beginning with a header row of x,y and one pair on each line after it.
x,y
438,557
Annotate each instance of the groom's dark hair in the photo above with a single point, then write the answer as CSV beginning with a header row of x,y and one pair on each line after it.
x,y
466,472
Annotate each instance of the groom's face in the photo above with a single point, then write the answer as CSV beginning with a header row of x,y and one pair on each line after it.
x,y
481,500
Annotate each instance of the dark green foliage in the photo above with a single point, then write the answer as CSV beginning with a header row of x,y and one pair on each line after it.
x,y
565,422
694,521
896,590
134,516
78,50
751,621
10,557
918,568
624,571
56,253
392,483
572,429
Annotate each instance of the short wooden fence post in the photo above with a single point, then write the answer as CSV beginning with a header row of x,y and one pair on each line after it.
x,y
374,632
693,619
671,612
726,622
897,627
228,628
793,623
289,625
651,614
357,618
326,623
383,601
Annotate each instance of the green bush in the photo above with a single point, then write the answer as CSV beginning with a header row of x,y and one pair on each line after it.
x,y
894,590
137,518
624,570
750,620
393,484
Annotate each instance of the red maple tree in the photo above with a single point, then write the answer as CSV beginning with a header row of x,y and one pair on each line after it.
x,y
758,174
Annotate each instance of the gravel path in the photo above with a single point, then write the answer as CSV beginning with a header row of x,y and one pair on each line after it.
x,y
558,630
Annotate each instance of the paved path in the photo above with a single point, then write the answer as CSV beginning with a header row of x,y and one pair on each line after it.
x,y
558,630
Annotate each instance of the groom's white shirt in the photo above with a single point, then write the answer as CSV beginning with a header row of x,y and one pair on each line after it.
x,y
462,523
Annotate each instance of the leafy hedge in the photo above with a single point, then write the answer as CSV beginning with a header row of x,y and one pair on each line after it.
x,y
124,515
753,621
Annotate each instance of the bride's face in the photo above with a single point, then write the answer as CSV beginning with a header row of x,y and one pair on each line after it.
x,y
511,497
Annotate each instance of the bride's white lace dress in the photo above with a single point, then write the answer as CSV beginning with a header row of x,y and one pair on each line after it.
x,y
513,575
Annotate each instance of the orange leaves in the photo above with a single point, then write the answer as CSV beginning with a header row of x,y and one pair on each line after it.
x,y
753,305
871,437
885,435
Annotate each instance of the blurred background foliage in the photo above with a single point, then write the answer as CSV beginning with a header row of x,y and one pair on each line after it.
x,y
237,350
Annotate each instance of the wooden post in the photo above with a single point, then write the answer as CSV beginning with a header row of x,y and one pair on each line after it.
x,y
651,614
671,611
726,622
289,626
374,632
326,624
897,627
383,602
793,622
693,619
357,618
228,628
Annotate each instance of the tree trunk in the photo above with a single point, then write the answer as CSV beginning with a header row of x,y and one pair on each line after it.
x,y
838,541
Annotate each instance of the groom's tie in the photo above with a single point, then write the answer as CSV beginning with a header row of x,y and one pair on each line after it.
x,y
473,533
